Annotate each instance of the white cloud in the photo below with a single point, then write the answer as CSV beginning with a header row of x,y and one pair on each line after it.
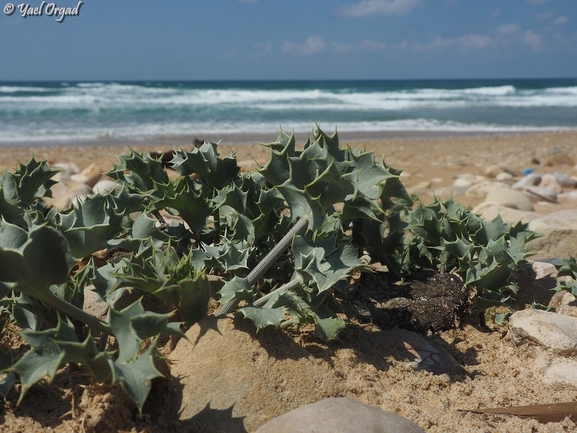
x,y
372,46
262,50
474,41
508,29
316,44
532,39
312,45
496,13
561,20
379,7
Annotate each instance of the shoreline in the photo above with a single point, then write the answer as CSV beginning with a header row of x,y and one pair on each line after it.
x,y
240,138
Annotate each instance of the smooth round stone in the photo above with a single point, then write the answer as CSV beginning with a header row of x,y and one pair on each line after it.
x,y
504,176
510,198
105,186
339,415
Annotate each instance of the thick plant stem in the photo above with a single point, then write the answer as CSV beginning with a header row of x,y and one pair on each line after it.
x,y
73,311
260,269
292,284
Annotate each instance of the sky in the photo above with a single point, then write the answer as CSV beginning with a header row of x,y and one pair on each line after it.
x,y
288,39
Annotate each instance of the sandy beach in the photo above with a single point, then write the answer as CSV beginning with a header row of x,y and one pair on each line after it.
x,y
435,157
495,372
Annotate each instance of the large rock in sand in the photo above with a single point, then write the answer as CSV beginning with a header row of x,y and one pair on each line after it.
x,y
560,230
235,380
340,415
509,198
554,331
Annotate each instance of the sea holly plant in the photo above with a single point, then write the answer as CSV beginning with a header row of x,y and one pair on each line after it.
x,y
286,237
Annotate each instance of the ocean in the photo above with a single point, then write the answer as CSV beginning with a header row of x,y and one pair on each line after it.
x,y
74,112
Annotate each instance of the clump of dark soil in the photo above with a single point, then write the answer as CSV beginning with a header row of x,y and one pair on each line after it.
x,y
425,301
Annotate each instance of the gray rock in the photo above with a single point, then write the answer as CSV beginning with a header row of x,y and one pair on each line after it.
x,y
481,189
462,183
551,181
560,229
423,355
543,270
504,176
538,193
532,179
570,196
105,186
555,370
489,211
565,303
510,198
560,220
551,330
340,415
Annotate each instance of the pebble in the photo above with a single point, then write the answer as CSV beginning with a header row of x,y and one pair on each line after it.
x,y
538,193
510,198
551,181
553,331
105,186
564,303
504,176
555,370
481,189
490,211
424,356
339,415
532,179
560,220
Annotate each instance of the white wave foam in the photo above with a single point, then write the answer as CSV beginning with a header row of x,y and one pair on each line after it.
x,y
214,128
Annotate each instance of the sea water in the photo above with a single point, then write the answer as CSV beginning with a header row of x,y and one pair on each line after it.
x,y
105,111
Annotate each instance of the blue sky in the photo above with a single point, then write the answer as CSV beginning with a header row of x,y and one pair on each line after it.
x,y
292,39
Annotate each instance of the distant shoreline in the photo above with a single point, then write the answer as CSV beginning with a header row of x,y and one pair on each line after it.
x,y
246,138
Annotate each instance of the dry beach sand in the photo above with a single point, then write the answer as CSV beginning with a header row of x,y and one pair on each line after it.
x,y
494,369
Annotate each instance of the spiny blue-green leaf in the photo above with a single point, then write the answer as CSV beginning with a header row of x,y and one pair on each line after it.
x,y
28,183
216,172
232,196
141,232
88,355
264,316
145,172
491,230
121,324
45,356
239,226
324,263
194,298
9,379
329,328
135,376
237,289
104,281
89,226
34,260
149,324
188,203
125,202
